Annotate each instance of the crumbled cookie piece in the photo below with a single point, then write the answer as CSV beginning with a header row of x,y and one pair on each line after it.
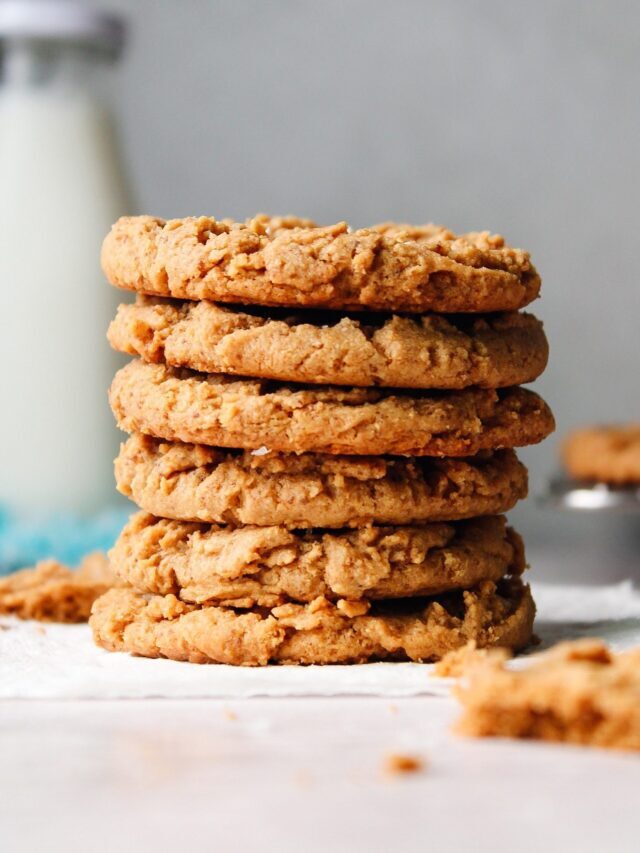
x,y
457,662
51,592
579,692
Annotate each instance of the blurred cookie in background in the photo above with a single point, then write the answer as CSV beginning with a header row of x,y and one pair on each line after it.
x,y
604,454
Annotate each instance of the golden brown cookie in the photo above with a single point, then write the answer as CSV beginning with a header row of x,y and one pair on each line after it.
x,y
321,632
274,262
194,482
430,351
216,410
267,566
607,454
579,692
51,592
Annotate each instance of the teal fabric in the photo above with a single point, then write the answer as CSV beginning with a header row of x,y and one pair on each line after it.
x,y
25,539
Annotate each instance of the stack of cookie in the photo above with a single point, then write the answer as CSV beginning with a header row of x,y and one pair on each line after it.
x,y
322,429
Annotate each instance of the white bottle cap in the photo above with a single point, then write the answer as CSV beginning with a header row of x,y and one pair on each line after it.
x,y
62,20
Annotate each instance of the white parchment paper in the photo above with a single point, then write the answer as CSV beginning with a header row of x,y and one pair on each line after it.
x,y
61,661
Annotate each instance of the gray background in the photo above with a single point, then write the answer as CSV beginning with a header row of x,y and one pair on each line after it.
x,y
519,118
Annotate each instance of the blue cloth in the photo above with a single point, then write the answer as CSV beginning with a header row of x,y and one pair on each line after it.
x,y
25,539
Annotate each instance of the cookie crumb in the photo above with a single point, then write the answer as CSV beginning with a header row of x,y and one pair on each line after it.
x,y
229,714
352,608
393,709
399,764
318,605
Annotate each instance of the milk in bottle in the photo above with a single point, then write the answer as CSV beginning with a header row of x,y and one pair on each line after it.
x,y
61,187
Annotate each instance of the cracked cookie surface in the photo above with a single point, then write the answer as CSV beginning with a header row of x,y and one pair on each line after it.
x,y
219,411
430,351
267,566
200,483
322,632
282,261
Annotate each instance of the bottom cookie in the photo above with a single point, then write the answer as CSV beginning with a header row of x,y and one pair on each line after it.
x,y
318,633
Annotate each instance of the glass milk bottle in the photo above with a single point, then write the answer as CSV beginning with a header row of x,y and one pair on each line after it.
x,y
61,187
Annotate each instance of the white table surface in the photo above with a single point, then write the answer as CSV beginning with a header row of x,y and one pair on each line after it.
x,y
305,774
296,774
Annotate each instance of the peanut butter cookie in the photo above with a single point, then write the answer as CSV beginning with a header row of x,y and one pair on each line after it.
x,y
430,351
246,566
284,262
318,633
200,483
216,410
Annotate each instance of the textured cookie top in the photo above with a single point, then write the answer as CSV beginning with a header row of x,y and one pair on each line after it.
x,y
51,592
284,261
219,411
578,692
248,565
608,454
430,351
321,632
200,483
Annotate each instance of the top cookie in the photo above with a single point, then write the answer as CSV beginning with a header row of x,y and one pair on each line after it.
x,y
286,261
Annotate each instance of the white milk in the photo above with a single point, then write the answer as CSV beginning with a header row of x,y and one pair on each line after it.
x,y
60,190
